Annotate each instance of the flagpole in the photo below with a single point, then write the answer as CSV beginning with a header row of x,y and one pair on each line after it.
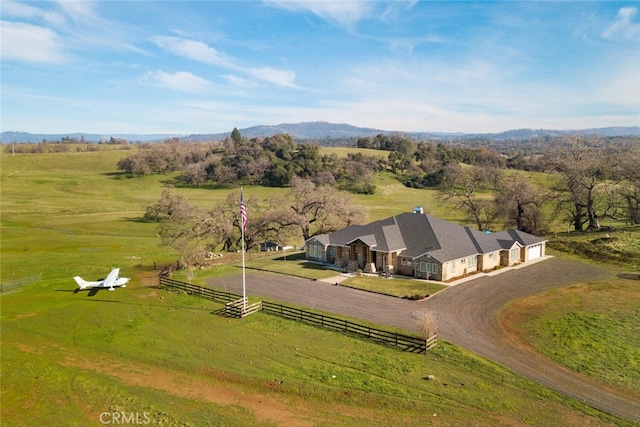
x,y
243,221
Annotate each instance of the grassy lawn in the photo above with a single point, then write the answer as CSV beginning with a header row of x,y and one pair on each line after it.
x,y
590,328
292,264
403,288
167,355
67,357
620,247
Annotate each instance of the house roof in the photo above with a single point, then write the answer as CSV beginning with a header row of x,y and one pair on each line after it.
x,y
525,239
414,235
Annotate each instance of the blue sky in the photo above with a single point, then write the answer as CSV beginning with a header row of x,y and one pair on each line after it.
x,y
208,66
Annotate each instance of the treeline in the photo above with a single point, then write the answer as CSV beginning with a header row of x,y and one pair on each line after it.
x,y
589,178
64,145
272,161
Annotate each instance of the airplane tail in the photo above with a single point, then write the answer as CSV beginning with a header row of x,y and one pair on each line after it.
x,y
81,282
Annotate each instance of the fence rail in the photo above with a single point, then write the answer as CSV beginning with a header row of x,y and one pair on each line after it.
x,y
199,290
235,307
431,342
239,308
406,342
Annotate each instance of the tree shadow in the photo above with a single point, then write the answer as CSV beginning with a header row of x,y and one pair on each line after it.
x,y
140,220
117,175
629,276
293,257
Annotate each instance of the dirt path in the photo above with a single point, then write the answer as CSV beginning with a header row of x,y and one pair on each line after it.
x,y
467,316
265,408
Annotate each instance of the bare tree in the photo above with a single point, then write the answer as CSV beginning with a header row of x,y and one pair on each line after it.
x,y
426,323
308,209
629,188
188,233
582,166
320,209
460,187
171,205
519,202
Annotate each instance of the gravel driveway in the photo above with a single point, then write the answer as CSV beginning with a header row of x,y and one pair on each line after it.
x,y
467,317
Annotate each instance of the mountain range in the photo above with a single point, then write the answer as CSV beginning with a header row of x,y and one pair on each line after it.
x,y
319,131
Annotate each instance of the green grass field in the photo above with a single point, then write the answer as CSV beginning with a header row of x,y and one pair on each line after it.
x,y
590,328
67,358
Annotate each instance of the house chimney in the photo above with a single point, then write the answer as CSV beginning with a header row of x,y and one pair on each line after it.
x,y
418,210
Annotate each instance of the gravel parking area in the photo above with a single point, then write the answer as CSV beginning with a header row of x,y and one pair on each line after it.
x,y
467,316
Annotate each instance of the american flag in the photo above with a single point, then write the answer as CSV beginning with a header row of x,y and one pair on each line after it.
x,y
243,212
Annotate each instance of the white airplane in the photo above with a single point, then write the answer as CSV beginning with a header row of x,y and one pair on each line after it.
x,y
112,281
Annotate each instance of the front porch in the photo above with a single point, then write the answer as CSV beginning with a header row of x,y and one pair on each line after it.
x,y
359,256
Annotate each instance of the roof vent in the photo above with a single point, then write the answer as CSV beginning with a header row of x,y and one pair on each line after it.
x,y
418,210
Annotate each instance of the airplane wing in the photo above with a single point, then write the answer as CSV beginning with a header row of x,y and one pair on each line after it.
x,y
112,278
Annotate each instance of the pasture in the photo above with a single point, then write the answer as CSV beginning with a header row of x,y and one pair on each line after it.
x,y
68,358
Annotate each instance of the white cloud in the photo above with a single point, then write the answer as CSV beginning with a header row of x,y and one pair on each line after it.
x,y
191,49
201,52
30,43
78,10
343,13
12,9
271,75
240,82
624,26
181,80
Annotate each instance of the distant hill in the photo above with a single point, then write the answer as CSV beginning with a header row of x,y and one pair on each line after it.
x,y
304,130
20,137
322,130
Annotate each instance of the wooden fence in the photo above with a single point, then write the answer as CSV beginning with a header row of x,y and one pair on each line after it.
x,y
199,290
167,270
235,307
431,342
238,308
406,342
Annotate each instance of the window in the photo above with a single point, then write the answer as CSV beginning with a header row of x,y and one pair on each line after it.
x,y
315,251
472,261
433,268
332,250
453,266
429,267
515,254
405,261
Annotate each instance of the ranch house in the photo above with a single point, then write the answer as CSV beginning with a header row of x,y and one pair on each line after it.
x,y
422,246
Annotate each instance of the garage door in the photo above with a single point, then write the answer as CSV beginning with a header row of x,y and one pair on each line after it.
x,y
534,252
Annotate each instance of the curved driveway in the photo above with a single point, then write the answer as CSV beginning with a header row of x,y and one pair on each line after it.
x,y
467,316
